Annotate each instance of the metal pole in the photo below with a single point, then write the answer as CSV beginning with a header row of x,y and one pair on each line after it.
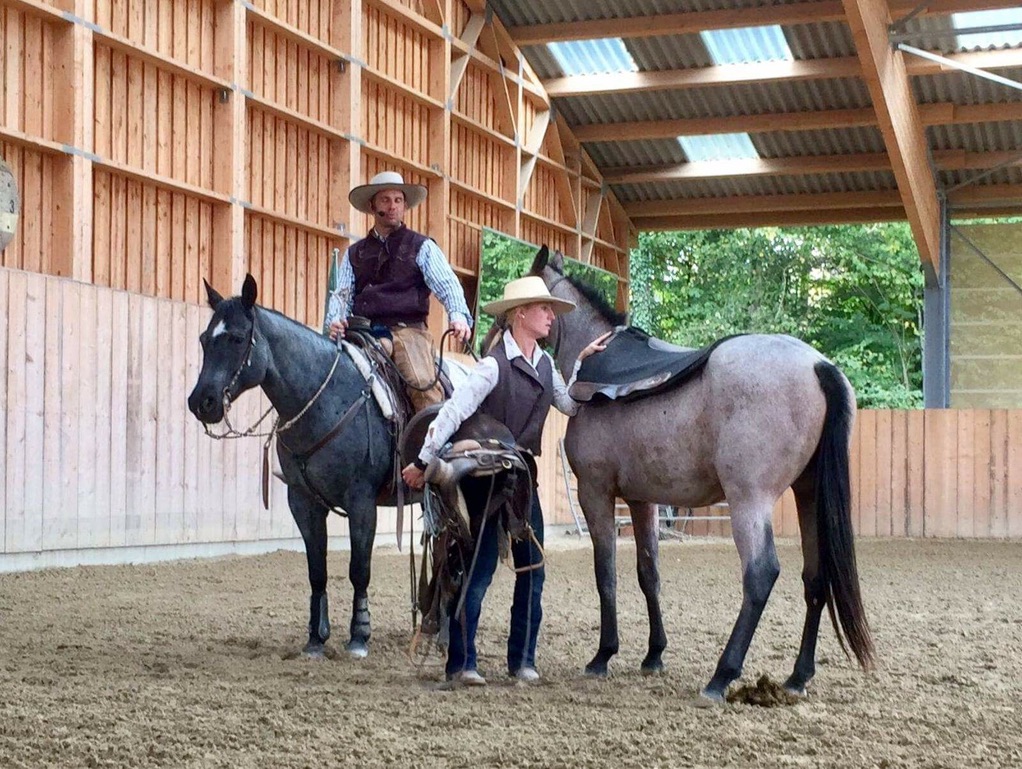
x,y
957,65
990,29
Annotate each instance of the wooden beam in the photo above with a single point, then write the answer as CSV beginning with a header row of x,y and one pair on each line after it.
x,y
898,116
729,221
946,160
657,25
942,113
739,204
764,72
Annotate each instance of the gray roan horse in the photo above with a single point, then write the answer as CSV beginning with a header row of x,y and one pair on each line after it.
x,y
766,413
246,346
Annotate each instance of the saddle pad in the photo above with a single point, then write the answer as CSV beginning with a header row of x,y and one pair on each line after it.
x,y
635,365
380,390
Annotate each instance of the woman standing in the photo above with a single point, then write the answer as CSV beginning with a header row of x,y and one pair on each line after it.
x,y
516,383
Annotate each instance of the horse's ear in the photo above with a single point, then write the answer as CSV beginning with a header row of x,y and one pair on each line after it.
x,y
557,262
249,291
211,295
540,261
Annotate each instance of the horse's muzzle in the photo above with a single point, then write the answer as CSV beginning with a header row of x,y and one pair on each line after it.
x,y
207,408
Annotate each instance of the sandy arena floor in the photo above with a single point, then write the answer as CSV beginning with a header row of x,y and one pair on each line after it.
x,y
194,664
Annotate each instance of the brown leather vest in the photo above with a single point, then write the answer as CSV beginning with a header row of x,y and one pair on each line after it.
x,y
389,287
522,397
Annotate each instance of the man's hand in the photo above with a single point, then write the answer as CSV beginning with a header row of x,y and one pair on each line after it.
x,y
461,330
337,329
414,477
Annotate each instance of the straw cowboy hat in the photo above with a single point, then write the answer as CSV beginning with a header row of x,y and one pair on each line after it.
x,y
361,197
527,290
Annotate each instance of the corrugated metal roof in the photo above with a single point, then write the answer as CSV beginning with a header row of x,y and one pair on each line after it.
x,y
1003,136
825,40
756,185
757,99
519,13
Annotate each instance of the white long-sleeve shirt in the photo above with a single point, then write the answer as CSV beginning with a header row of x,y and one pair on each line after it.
x,y
469,396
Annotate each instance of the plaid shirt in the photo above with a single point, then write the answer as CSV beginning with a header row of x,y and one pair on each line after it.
x,y
439,277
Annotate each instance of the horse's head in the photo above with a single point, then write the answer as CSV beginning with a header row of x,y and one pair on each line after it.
x,y
550,267
232,358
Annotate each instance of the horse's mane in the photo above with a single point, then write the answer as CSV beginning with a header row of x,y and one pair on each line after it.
x,y
235,304
597,300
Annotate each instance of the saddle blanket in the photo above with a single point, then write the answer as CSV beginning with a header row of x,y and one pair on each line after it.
x,y
635,365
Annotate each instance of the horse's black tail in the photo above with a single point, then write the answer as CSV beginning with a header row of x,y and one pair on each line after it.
x,y
834,520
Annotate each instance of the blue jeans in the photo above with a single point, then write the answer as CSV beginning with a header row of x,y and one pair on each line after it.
x,y
526,608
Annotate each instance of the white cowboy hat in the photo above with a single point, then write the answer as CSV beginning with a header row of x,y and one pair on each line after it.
x,y
527,290
362,196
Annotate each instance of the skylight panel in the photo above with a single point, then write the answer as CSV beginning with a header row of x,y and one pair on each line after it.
x,y
718,147
987,19
593,57
747,45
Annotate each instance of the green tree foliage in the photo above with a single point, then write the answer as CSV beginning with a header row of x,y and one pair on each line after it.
x,y
853,292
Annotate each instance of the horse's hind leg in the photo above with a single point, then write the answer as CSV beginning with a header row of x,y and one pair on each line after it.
x,y
311,520
814,583
362,520
599,512
753,534
647,544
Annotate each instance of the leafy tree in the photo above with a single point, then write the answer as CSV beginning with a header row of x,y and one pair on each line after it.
x,y
853,292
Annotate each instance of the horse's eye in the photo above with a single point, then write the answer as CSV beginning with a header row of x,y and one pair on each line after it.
x,y
236,339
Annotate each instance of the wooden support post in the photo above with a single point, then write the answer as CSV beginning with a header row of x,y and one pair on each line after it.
x,y
897,113
346,35
439,155
230,62
73,126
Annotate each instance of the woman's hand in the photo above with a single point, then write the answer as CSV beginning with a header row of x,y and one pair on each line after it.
x,y
597,345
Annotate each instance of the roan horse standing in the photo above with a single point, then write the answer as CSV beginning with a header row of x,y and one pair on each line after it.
x,y
339,452
766,413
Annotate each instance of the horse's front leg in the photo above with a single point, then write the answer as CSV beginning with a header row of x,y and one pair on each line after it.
x,y
310,516
362,527
599,513
647,546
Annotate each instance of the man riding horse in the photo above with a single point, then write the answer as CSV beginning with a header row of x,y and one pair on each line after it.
x,y
387,277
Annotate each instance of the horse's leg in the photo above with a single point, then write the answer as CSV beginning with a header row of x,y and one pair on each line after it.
x,y
599,513
754,536
310,516
362,520
647,544
813,582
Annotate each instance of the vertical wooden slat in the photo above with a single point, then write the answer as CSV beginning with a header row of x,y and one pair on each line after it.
x,y
15,414
35,384
966,480
95,530
121,358
883,504
999,473
982,462
165,529
78,415
916,473
135,416
867,425
1014,491
941,492
5,404
58,391
899,474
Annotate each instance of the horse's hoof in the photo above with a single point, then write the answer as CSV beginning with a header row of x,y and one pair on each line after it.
x,y
314,651
708,699
596,670
357,649
794,690
654,668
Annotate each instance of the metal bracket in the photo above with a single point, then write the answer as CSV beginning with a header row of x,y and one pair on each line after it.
x,y
223,95
342,66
